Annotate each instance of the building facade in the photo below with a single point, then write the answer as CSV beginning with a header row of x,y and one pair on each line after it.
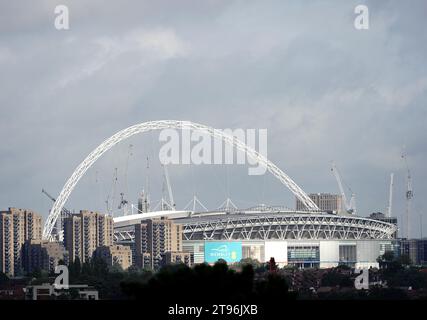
x,y
155,237
301,239
382,217
177,257
43,255
325,201
16,226
297,253
115,255
84,232
415,249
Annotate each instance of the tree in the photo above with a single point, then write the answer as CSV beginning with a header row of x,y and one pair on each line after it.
x,y
134,270
3,278
271,265
257,266
87,268
201,284
273,290
404,260
99,266
37,273
386,260
75,268
116,267
388,256
334,278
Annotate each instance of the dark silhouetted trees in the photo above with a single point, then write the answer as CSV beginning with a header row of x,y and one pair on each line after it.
x,y
204,284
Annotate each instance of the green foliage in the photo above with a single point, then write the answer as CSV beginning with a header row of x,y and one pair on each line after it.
x,y
75,268
377,293
37,273
202,283
257,266
3,278
116,267
343,267
251,281
404,260
411,277
335,278
271,265
388,256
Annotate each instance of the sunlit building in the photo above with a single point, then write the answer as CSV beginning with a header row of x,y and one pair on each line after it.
x,y
85,231
16,226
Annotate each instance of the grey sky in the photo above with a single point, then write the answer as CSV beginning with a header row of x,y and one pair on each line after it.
x,y
322,88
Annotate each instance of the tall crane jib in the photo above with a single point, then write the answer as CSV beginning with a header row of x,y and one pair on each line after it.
x,y
390,195
349,206
169,187
408,195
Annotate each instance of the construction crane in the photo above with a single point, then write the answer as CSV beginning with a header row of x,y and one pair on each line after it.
x,y
350,206
169,187
64,213
143,202
130,153
390,195
123,204
110,198
408,195
65,210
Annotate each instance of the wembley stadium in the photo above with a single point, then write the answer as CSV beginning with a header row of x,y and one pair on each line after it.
x,y
303,238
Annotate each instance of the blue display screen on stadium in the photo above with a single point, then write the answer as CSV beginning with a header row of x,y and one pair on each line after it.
x,y
229,251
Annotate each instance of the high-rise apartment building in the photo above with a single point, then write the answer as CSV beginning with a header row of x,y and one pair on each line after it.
x,y
16,226
325,202
85,231
6,244
155,237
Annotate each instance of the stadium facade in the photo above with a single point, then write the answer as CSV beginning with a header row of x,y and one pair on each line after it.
x,y
298,238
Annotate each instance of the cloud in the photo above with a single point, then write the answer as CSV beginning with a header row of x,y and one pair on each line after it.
x,y
151,47
322,89
404,95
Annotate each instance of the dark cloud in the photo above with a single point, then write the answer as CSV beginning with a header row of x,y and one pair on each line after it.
x,y
323,89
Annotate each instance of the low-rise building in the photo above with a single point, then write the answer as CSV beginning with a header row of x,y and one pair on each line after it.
x,y
40,255
48,291
415,249
173,257
115,254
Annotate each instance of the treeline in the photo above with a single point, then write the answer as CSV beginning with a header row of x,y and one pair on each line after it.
x,y
247,281
204,284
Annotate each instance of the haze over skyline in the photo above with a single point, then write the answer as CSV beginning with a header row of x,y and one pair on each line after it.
x,y
324,90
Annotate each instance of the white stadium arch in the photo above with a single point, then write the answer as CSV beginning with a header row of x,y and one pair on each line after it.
x,y
167,124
